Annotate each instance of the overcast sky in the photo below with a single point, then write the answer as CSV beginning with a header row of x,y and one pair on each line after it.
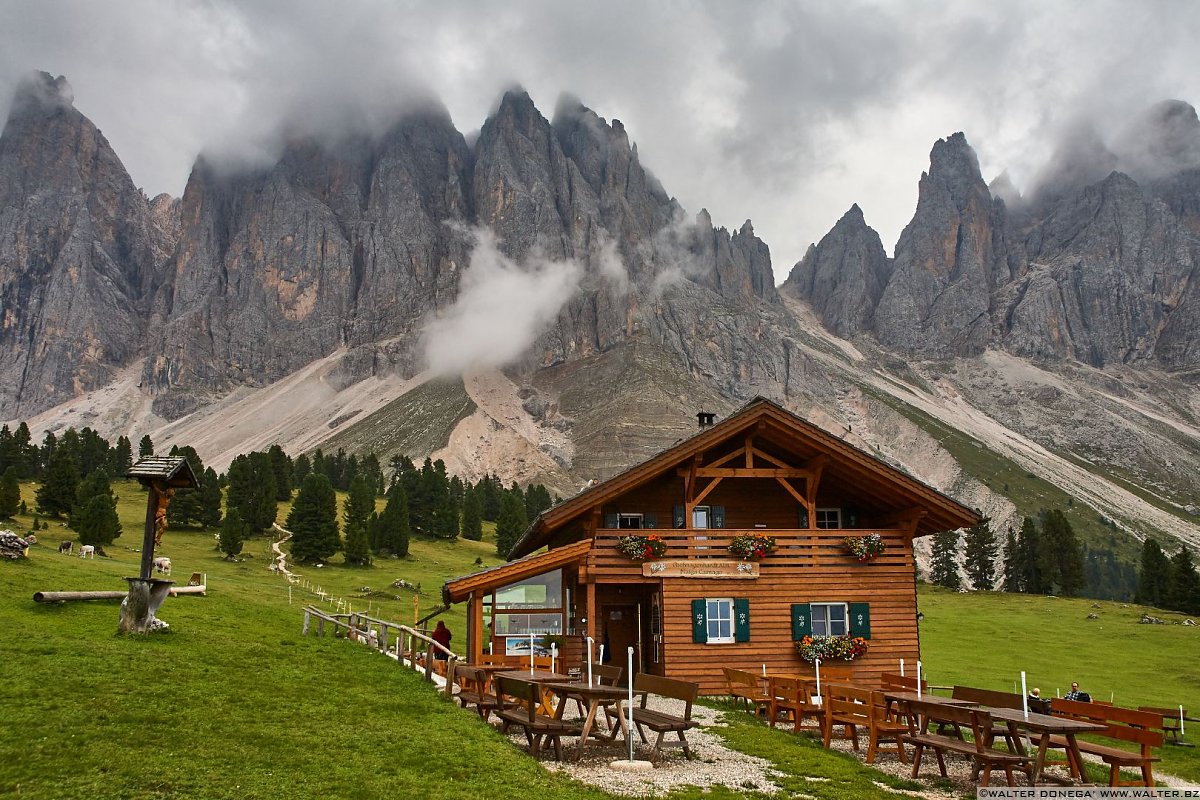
x,y
782,112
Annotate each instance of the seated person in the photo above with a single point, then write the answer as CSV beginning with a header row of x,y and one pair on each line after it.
x,y
1035,703
1075,694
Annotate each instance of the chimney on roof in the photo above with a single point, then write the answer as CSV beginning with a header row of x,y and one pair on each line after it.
x,y
706,419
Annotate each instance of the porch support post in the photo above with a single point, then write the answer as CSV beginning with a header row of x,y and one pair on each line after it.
x,y
591,610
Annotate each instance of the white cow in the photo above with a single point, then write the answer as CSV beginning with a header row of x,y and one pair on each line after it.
x,y
87,550
162,565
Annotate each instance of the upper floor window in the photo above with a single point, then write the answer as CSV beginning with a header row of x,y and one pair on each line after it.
x,y
830,518
630,521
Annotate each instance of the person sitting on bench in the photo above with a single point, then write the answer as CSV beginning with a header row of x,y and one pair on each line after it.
x,y
1075,694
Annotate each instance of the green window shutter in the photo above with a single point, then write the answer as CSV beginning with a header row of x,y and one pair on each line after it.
x,y
718,516
860,620
801,621
610,521
803,518
649,520
680,517
741,619
699,622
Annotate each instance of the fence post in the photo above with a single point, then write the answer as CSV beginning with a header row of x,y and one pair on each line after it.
x,y
320,626
383,637
450,664
307,622
429,663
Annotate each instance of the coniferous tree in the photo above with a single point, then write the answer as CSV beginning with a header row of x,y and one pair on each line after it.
x,y
1063,555
980,556
537,500
210,499
1183,594
1029,559
1154,575
300,469
27,452
10,493
233,534
359,505
1012,570
187,505
313,521
9,454
421,499
122,456
943,566
281,467
392,524
357,552
94,514
56,495
489,497
145,447
472,518
265,507
511,523
369,467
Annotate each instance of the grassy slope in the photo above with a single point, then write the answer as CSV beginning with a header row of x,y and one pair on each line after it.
x,y
986,639
235,703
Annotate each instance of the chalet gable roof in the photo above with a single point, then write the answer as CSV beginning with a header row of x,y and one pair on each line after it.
x,y
767,419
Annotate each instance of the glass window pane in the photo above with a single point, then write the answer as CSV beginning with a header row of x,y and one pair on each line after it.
x,y
540,591
518,624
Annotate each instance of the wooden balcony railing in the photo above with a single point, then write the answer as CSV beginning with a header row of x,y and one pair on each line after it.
x,y
793,548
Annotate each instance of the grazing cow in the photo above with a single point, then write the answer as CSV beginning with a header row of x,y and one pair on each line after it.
x,y
86,550
162,565
65,547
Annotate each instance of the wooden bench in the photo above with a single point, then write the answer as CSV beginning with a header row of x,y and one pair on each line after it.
x,y
855,707
793,696
978,723
746,688
661,722
526,699
1142,728
474,692
1170,719
901,683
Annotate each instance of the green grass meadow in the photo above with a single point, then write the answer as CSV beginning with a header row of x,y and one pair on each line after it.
x,y
234,703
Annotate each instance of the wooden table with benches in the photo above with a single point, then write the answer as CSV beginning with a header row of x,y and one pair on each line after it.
x,y
1142,728
960,718
1047,729
662,722
593,697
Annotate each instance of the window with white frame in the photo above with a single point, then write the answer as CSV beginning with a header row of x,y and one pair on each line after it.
x,y
829,518
719,613
630,521
829,619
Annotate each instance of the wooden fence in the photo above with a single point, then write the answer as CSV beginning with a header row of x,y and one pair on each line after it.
x,y
389,637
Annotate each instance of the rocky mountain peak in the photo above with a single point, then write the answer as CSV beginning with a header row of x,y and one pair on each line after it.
x,y
843,276
954,168
42,91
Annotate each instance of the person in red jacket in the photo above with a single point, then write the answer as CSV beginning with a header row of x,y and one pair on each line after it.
x,y
441,635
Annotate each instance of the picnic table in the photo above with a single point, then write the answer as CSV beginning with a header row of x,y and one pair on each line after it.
x,y
1045,726
594,698
540,677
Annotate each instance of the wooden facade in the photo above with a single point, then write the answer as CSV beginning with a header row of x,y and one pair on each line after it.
x,y
761,471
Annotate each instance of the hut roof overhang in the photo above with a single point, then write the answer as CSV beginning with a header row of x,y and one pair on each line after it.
x,y
456,590
764,418
175,471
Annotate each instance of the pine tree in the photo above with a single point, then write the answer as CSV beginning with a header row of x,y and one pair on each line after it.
x,y
537,500
233,534
10,493
1029,559
359,505
281,467
357,553
981,556
1154,576
210,499
313,521
122,456
94,514
56,495
511,523
943,567
1183,594
187,505
472,520
1063,555
145,447
300,469
489,497
1012,570
422,498
265,507
393,524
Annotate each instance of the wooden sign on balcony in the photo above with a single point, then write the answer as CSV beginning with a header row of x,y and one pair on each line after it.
x,y
700,568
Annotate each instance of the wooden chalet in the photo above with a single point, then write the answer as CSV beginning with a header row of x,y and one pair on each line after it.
x,y
699,608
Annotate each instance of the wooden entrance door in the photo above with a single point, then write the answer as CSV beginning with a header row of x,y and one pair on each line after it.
x,y
621,632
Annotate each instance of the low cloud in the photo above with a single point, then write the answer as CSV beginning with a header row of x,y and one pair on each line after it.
x,y
502,307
